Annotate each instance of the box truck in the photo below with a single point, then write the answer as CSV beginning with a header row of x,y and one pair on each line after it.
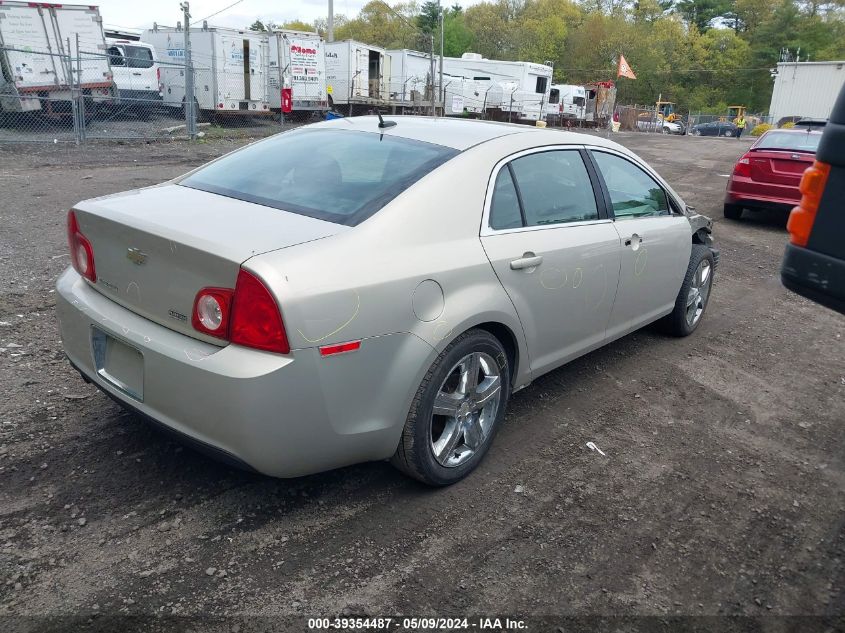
x,y
566,102
357,73
520,91
39,59
298,62
231,69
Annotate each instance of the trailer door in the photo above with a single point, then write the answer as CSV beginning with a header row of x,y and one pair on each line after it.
x,y
38,62
233,75
70,20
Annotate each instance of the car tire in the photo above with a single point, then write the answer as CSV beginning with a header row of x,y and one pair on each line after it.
x,y
732,211
728,134
696,133
427,450
694,294
665,130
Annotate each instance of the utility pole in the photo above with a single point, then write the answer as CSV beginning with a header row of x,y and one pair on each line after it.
x,y
190,115
442,90
431,73
330,25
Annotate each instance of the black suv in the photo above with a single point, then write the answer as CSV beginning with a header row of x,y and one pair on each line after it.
x,y
814,262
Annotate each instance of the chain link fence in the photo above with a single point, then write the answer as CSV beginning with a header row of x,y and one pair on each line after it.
x,y
124,93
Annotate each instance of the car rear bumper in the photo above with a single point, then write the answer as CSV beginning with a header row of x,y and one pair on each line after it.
x,y
748,193
281,415
814,275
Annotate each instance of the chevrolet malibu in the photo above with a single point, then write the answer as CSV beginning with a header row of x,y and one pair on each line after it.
x,y
363,289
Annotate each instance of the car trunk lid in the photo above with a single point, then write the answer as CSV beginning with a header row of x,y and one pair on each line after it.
x,y
780,167
155,248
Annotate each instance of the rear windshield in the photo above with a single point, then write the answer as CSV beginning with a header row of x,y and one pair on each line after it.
x,y
342,176
790,141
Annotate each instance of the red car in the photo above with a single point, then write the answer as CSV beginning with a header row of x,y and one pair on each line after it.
x,y
767,176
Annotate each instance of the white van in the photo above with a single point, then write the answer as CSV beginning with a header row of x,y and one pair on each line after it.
x,y
136,71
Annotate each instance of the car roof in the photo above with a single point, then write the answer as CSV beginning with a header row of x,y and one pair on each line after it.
x,y
459,134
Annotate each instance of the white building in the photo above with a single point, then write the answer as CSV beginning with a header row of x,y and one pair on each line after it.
x,y
806,89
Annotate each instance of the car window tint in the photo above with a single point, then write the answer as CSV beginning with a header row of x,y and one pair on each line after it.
x,y
504,210
555,188
633,193
342,176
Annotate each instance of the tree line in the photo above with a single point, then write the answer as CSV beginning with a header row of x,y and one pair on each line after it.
x,y
702,54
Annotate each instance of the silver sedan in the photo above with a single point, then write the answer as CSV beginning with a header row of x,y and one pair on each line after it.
x,y
363,290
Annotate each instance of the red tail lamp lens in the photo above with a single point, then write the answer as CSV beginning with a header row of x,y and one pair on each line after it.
x,y
743,167
256,318
81,251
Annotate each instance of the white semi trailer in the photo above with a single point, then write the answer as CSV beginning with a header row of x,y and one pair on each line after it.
x,y
357,73
39,59
231,69
410,83
520,91
298,62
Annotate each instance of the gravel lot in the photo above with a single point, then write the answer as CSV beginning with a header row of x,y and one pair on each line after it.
x,y
722,490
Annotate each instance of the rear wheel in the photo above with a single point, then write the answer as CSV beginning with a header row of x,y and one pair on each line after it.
x,y
457,410
732,211
694,294
665,130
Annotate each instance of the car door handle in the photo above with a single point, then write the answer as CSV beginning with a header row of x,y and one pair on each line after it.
x,y
528,260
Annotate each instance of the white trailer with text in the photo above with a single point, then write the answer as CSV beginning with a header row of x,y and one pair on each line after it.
x,y
230,69
357,73
41,64
298,62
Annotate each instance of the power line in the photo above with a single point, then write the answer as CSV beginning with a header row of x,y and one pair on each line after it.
x,y
237,2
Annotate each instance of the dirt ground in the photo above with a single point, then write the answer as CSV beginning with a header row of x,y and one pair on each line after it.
x,y
722,491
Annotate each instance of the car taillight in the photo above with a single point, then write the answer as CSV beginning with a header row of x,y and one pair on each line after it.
x,y
212,308
743,167
81,251
801,218
256,318
158,76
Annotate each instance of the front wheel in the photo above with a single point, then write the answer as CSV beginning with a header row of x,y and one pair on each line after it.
x,y
457,410
694,294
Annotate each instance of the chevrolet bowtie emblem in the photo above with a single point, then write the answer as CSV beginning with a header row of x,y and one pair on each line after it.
x,y
135,256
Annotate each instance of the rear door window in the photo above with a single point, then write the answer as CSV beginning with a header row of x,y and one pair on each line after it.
x,y
139,57
555,188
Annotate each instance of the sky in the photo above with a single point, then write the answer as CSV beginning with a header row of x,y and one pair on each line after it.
x,y
141,14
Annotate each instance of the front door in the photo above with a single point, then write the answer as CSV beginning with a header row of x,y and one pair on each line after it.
x,y
656,244
555,252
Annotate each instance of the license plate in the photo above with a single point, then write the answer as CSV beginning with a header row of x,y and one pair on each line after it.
x,y
119,364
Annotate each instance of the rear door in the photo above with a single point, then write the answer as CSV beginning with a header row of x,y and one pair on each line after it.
x,y
233,75
656,242
554,250
85,22
36,62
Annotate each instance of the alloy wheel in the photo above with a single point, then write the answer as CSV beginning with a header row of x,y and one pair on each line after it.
x,y
465,409
699,292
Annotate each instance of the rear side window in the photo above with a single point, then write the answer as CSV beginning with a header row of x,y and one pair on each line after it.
x,y
555,188
342,176
801,142
633,193
138,57
504,210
